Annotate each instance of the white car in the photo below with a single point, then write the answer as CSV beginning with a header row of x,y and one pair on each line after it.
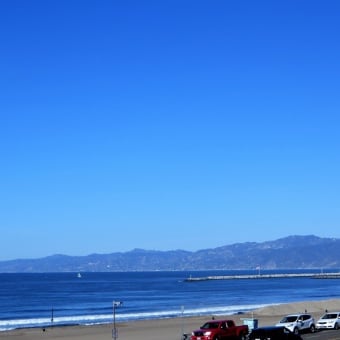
x,y
329,320
297,323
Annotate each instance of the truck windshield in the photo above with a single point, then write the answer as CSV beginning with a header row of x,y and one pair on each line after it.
x,y
210,325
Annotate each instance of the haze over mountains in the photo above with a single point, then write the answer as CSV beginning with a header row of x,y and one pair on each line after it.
x,y
292,252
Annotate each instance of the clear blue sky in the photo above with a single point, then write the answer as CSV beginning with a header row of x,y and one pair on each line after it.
x,y
167,124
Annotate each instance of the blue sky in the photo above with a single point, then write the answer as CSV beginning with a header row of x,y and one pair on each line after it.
x,y
167,124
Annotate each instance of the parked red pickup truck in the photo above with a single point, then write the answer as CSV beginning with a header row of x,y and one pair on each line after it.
x,y
219,330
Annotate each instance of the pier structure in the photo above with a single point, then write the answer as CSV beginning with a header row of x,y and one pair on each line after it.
x,y
264,276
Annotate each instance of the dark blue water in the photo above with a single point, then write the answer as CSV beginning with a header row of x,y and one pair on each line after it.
x,y
36,300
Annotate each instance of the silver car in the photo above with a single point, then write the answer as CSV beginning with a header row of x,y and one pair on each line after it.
x,y
297,323
329,320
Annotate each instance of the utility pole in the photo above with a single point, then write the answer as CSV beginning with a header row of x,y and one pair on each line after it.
x,y
115,305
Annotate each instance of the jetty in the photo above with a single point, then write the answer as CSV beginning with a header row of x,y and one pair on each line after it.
x,y
264,276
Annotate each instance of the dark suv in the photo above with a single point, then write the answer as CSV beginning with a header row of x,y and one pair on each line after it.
x,y
273,333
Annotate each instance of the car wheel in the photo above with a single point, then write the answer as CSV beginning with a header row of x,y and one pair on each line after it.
x,y
296,330
242,337
312,328
336,326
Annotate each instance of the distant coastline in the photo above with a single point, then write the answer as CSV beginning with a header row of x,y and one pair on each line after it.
x,y
292,252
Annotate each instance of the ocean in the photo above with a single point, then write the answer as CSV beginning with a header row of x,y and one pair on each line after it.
x,y
42,300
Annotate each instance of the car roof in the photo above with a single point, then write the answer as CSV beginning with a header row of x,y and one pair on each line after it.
x,y
268,328
219,320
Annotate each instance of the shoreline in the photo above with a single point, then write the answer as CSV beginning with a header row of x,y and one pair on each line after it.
x,y
170,328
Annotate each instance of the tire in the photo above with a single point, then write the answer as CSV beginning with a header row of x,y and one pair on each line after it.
x,y
312,328
336,326
242,337
296,331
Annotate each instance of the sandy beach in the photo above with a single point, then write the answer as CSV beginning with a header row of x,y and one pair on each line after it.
x,y
167,329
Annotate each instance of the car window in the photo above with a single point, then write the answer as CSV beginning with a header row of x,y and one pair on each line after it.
x,y
259,333
289,318
209,325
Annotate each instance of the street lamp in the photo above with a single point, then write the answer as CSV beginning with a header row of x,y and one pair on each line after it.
x,y
115,305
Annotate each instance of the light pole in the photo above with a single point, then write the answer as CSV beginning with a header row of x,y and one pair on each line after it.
x,y
115,305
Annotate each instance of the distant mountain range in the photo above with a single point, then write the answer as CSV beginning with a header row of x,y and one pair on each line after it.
x,y
292,252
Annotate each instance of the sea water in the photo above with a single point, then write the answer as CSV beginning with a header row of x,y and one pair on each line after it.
x,y
42,300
